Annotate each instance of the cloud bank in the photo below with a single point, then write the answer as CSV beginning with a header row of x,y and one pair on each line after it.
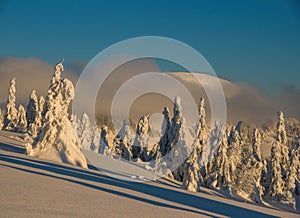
x,y
244,102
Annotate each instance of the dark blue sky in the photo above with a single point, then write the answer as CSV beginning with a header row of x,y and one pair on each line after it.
x,y
253,41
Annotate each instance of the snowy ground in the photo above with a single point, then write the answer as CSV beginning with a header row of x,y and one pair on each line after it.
x,y
33,187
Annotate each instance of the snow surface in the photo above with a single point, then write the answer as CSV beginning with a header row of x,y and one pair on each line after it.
x,y
32,187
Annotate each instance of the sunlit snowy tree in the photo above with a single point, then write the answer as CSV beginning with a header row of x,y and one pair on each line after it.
x,y
11,115
104,146
22,122
122,143
275,175
32,108
166,125
57,140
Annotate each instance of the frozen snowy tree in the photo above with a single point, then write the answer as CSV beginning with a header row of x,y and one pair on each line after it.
x,y
215,140
180,143
191,179
166,125
218,172
257,170
201,122
32,108
275,176
281,131
291,179
176,123
11,115
33,115
95,139
57,140
84,132
199,155
141,142
249,174
256,145
282,140
234,155
180,152
1,120
38,119
41,104
201,142
122,143
22,122
103,146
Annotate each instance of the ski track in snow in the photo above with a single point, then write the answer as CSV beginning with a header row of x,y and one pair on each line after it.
x,y
32,187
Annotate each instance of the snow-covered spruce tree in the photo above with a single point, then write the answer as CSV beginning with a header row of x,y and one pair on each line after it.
x,y
75,123
291,178
95,139
219,175
259,169
57,140
32,108
249,172
33,115
122,143
38,119
281,131
198,158
11,115
234,156
141,142
22,122
41,104
176,123
181,142
87,134
191,179
215,140
275,176
104,146
282,139
84,132
201,141
201,123
1,120
296,152
256,145
166,126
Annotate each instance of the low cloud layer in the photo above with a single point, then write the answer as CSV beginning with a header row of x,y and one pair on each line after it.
x,y
244,102
30,74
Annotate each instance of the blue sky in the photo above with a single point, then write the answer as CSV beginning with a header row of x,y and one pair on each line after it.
x,y
251,41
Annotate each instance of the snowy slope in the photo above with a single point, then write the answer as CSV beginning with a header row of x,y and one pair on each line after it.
x,y
33,187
